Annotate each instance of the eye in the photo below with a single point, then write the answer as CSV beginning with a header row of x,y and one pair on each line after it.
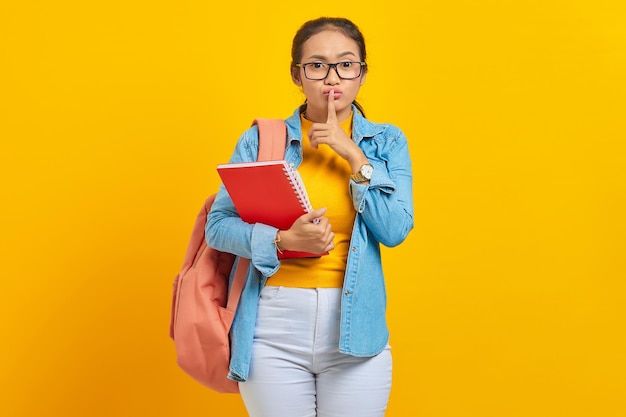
x,y
317,65
346,64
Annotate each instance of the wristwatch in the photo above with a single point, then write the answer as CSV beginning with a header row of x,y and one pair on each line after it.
x,y
364,174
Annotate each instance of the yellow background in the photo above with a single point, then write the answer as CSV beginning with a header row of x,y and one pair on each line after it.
x,y
508,298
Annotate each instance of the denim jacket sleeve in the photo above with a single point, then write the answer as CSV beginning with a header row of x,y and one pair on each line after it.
x,y
226,232
389,194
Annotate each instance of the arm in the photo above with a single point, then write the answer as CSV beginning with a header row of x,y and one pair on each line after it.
x,y
226,232
386,203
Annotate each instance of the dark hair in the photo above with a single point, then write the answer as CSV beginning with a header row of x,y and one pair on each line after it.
x,y
313,27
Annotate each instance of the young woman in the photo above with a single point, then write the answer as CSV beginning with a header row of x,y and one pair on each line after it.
x,y
310,336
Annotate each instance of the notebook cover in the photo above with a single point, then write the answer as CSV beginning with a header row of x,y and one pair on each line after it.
x,y
263,193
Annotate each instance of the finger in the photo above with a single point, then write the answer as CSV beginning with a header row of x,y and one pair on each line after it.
x,y
331,239
332,114
319,133
312,136
330,243
314,215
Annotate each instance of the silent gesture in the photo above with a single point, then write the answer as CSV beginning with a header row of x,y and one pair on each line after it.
x,y
331,134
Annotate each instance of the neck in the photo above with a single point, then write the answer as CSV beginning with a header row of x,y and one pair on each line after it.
x,y
322,116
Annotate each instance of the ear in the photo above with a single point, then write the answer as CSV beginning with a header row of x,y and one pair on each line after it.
x,y
363,78
295,76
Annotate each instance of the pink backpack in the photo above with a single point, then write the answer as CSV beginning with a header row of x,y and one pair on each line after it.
x,y
201,314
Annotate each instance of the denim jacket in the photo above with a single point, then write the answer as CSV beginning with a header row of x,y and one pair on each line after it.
x,y
384,215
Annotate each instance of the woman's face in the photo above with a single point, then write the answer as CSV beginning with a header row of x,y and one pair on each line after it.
x,y
329,46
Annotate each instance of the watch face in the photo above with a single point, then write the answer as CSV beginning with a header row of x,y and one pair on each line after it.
x,y
367,171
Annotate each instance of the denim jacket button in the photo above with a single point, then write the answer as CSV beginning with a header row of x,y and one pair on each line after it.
x,y
347,293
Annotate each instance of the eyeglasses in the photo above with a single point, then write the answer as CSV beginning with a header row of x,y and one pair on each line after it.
x,y
346,70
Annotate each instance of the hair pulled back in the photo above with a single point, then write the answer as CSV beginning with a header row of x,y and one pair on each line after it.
x,y
315,26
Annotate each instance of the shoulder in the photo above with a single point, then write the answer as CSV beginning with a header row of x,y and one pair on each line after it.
x,y
385,132
247,146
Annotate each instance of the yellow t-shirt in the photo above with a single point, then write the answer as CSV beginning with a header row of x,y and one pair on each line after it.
x,y
326,177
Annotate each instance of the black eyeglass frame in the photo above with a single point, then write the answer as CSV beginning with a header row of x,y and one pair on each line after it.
x,y
303,65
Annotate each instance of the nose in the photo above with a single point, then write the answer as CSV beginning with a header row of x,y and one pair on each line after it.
x,y
333,76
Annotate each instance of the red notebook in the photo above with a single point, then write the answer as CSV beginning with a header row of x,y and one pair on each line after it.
x,y
268,192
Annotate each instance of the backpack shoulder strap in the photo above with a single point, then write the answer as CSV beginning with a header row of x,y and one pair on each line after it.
x,y
272,143
272,139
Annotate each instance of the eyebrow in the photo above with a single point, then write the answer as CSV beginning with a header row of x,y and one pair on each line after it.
x,y
341,55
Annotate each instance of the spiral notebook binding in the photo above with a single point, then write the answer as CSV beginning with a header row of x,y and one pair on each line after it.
x,y
298,186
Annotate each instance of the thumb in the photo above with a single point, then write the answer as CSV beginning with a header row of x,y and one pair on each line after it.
x,y
332,114
314,215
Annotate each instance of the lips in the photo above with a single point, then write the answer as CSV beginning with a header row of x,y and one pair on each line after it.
x,y
337,92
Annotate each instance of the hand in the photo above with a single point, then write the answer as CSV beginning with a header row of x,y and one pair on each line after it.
x,y
311,232
331,134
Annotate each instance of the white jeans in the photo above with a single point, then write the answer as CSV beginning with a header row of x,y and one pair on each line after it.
x,y
297,370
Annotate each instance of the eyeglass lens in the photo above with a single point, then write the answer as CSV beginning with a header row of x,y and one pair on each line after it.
x,y
319,71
